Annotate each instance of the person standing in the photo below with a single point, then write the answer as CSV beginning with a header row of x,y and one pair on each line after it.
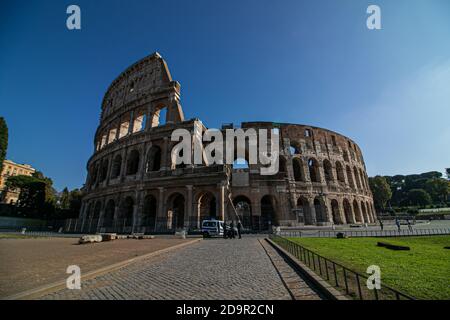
x,y
397,222
232,236
381,224
409,225
239,227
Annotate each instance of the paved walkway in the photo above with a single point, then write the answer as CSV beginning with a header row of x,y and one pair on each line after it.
x,y
30,263
209,269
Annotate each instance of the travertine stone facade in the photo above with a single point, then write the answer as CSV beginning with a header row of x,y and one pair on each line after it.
x,y
134,186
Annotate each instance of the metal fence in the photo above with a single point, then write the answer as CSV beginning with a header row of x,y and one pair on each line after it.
x,y
365,233
342,278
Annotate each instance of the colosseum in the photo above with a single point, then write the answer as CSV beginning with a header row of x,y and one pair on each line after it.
x,y
133,184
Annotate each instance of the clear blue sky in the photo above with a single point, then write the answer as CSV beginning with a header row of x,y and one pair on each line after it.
x,y
302,61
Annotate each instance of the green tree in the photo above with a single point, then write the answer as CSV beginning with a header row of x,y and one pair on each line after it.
x,y
64,200
3,141
75,197
381,191
438,189
419,197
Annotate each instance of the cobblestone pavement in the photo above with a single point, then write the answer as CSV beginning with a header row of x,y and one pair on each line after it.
x,y
210,269
29,263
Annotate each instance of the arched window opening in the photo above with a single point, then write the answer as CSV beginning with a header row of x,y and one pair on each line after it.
x,y
308,132
159,117
357,178
295,148
313,167
104,170
345,156
340,172
116,166
328,170
133,162
153,159
356,210
351,183
123,129
298,169
139,123
112,135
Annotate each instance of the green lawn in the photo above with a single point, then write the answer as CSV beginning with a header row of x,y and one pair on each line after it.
x,y
423,272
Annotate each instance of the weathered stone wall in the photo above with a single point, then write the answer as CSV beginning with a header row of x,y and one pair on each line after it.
x,y
133,185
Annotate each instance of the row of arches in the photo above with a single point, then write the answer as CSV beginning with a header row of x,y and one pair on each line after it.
x,y
129,123
314,173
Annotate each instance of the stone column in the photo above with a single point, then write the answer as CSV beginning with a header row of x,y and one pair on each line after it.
x,y
221,201
165,154
161,214
188,216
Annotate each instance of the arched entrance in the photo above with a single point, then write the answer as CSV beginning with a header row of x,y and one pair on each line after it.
x,y
304,215
109,214
336,212
244,210
357,212
149,213
175,213
126,214
207,208
348,211
320,210
268,214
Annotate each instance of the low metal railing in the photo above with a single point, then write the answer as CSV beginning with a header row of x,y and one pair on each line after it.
x,y
366,233
350,282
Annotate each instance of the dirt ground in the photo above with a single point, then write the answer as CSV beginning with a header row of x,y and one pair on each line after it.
x,y
29,263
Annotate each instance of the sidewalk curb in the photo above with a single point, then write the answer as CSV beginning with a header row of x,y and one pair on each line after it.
x,y
45,289
329,291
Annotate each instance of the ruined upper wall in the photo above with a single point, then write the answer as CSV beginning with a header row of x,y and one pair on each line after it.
x,y
147,76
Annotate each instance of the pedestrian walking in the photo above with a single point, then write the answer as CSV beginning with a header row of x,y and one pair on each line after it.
x,y
232,235
239,227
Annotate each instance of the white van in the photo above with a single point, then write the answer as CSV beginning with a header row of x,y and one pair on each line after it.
x,y
212,228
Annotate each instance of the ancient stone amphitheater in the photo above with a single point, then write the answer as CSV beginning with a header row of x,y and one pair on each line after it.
x,y
134,186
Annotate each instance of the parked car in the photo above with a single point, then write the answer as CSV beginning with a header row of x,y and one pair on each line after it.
x,y
212,228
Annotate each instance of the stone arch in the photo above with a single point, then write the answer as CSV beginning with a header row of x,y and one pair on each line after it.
x,y
351,183
243,207
314,172
207,206
357,212
268,212
97,210
126,212
305,210
320,209
104,170
153,162
336,212
357,178
364,212
110,209
133,162
340,172
176,211
159,116
116,166
139,120
348,212
150,210
299,174
282,165
295,148
328,171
